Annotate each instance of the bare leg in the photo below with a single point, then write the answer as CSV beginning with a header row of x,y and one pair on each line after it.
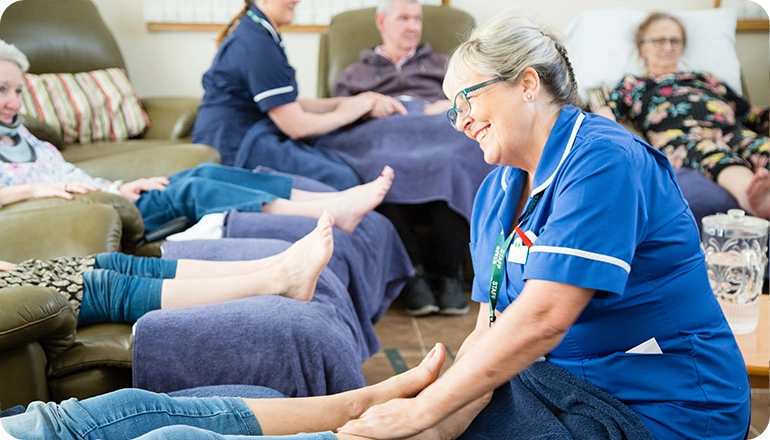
x,y
309,244
294,276
758,194
327,413
347,207
736,181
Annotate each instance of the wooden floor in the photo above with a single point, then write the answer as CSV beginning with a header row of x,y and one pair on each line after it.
x,y
406,340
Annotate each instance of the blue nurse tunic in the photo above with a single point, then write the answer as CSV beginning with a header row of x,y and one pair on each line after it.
x,y
250,75
610,217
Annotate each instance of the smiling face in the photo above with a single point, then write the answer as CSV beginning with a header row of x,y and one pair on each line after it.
x,y
401,28
497,120
11,80
664,59
279,12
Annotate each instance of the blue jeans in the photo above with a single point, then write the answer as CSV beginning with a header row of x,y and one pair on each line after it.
x,y
210,188
122,288
131,413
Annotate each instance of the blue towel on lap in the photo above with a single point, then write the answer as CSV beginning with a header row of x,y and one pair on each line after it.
x,y
548,402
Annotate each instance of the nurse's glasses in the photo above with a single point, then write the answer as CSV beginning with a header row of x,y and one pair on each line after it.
x,y
462,105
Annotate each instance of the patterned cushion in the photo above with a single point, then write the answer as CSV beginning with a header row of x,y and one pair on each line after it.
x,y
86,107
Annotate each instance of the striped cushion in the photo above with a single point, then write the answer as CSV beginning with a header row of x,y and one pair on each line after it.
x,y
86,107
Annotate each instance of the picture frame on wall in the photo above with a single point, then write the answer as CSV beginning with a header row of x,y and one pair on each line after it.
x,y
751,16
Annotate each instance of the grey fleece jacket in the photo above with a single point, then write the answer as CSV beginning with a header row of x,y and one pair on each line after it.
x,y
420,77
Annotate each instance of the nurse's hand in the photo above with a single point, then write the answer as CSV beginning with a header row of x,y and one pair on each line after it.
x,y
354,107
394,419
385,106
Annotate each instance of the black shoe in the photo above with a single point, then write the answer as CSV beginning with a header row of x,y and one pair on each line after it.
x,y
451,297
418,297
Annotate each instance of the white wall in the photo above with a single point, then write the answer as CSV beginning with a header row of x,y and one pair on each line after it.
x,y
172,63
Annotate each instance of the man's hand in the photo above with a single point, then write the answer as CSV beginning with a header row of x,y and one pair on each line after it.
x,y
132,190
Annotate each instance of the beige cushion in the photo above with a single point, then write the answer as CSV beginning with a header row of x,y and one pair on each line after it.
x,y
87,106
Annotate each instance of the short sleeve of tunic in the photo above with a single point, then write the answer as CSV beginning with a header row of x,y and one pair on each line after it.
x,y
595,220
265,69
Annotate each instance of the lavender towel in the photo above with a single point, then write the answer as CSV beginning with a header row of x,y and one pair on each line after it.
x,y
432,161
371,261
298,348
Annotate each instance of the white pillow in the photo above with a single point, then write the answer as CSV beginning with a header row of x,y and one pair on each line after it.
x,y
602,48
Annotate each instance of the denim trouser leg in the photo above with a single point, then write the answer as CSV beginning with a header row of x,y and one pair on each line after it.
x,y
130,413
211,189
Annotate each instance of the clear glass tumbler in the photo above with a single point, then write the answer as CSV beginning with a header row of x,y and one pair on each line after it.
x,y
736,254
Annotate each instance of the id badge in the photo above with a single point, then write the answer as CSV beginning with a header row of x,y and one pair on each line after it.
x,y
518,252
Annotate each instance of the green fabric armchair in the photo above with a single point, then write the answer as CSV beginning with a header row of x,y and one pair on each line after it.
x,y
69,36
42,354
352,31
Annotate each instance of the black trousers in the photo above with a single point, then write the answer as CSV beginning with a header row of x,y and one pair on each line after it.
x,y
435,236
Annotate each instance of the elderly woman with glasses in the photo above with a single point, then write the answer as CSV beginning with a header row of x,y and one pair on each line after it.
x,y
597,317
695,119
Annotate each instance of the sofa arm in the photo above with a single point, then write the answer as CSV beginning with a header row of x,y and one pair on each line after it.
x,y
170,117
71,229
36,314
158,161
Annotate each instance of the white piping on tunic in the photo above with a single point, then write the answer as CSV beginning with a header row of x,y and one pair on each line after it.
x,y
583,254
273,92
567,149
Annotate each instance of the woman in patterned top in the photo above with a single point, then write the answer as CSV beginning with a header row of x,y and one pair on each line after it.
x,y
31,168
115,287
694,118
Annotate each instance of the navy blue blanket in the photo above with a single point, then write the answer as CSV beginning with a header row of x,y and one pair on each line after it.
x,y
432,160
298,348
546,401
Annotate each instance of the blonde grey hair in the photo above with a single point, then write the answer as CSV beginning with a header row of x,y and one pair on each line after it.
x,y
9,52
385,6
508,44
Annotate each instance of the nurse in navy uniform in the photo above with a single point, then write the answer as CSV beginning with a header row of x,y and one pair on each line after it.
x,y
251,112
587,267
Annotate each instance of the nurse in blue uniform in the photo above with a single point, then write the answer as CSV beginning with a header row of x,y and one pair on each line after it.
x,y
585,255
250,111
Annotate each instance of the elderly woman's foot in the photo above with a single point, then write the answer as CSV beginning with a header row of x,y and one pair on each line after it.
x,y
306,258
352,204
758,193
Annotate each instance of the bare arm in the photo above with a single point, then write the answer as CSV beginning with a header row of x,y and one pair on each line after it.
x,y
307,118
18,193
532,326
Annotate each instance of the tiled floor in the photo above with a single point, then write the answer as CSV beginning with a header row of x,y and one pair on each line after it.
x,y
405,340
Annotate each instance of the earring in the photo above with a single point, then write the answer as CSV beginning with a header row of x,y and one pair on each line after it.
x,y
529,96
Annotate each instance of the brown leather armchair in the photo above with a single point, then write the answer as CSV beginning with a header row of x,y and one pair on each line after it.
x,y
350,32
42,354
69,36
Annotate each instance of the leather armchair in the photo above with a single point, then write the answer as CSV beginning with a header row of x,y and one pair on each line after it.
x,y
42,354
350,32
69,36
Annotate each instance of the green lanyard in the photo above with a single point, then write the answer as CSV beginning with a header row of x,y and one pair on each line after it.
x,y
265,25
498,260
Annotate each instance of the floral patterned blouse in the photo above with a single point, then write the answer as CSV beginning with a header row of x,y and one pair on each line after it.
x,y
677,112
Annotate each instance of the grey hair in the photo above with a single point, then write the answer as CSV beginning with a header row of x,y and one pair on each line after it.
x,y
385,6
508,44
9,52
